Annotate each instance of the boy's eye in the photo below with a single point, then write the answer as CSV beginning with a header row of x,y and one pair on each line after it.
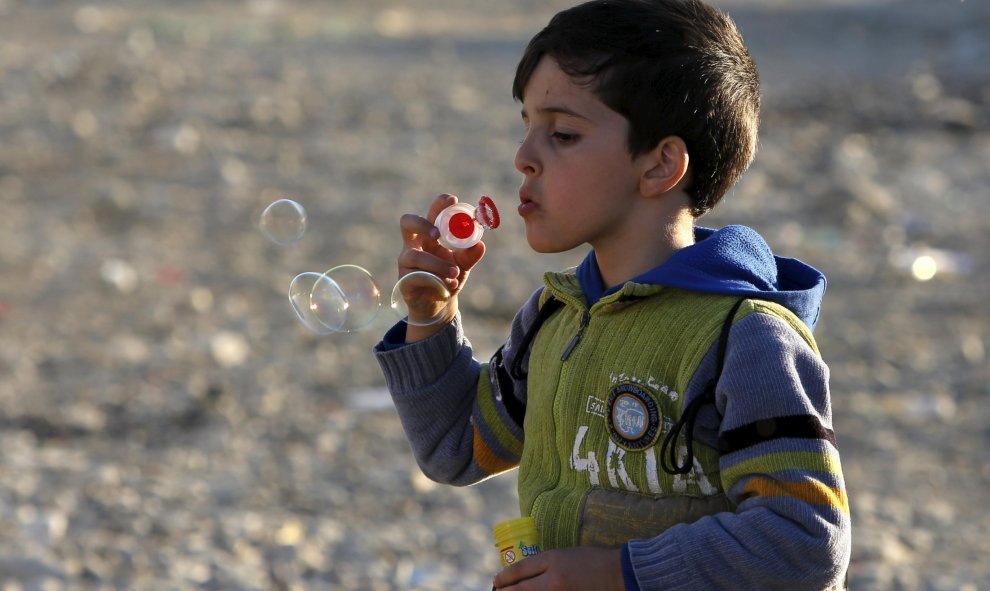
x,y
563,137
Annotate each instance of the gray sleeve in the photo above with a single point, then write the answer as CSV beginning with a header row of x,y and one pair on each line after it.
x,y
435,385
779,465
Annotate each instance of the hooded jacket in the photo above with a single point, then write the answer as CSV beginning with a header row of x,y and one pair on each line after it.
x,y
585,404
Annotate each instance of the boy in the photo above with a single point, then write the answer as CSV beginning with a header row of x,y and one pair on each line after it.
x,y
665,402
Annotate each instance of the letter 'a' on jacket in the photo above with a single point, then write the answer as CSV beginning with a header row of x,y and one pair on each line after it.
x,y
761,501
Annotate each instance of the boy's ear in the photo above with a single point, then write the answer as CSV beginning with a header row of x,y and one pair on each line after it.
x,y
666,167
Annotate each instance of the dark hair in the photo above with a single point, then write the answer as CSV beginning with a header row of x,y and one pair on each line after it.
x,y
670,67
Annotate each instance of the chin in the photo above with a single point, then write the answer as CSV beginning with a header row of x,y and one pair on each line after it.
x,y
543,246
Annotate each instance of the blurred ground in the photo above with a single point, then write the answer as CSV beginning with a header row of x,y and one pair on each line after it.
x,y
166,424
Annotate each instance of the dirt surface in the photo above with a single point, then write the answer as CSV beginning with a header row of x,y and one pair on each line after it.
x,y
165,423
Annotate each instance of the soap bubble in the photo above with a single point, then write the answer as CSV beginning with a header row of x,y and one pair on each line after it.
x,y
299,296
362,298
347,299
283,222
328,303
421,298
344,299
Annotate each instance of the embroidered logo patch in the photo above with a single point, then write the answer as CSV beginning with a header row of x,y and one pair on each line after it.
x,y
633,416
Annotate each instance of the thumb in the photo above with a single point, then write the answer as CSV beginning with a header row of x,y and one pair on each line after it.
x,y
467,258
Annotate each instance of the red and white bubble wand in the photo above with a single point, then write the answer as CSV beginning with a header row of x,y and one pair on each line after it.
x,y
461,225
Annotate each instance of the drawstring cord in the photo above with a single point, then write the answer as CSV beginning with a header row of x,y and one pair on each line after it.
x,y
668,450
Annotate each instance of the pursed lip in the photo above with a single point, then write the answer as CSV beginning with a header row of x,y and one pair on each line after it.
x,y
526,203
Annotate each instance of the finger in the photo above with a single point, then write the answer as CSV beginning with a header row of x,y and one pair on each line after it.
x,y
436,249
467,258
439,204
412,259
414,227
519,572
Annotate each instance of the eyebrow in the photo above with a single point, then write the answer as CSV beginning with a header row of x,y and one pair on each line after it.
x,y
552,110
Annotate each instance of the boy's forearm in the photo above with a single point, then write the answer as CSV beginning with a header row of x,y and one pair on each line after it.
x,y
779,466
707,554
434,384
456,422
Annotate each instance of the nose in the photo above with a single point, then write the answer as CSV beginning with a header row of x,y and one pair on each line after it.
x,y
526,161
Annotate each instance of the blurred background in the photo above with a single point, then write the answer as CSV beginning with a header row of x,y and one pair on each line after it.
x,y
166,423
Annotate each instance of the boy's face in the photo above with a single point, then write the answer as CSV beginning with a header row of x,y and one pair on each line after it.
x,y
580,183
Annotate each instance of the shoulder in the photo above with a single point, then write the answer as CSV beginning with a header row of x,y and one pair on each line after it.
x,y
770,320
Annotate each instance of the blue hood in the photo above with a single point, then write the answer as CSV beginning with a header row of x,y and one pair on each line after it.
x,y
734,260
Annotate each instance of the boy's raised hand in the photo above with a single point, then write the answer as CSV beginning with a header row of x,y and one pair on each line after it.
x,y
573,569
422,251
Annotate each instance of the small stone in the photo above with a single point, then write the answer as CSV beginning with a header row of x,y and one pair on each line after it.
x,y
230,349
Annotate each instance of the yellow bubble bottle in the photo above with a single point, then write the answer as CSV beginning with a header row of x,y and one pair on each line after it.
x,y
516,539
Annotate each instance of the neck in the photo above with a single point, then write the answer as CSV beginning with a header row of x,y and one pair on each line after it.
x,y
643,250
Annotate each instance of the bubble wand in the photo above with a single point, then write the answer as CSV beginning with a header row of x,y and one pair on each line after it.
x,y
461,226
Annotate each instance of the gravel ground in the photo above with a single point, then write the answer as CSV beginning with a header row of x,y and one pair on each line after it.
x,y
165,423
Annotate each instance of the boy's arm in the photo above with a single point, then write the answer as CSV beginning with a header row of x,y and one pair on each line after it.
x,y
780,467
450,405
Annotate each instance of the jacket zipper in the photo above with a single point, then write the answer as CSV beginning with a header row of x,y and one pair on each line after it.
x,y
585,319
540,499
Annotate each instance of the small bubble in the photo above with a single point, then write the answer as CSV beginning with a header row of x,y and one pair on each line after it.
x,y
420,298
284,222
